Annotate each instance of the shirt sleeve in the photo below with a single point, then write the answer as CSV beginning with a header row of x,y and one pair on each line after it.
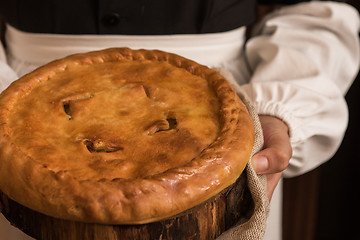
x,y
302,59
7,75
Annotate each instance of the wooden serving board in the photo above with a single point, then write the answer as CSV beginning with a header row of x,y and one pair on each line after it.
x,y
206,221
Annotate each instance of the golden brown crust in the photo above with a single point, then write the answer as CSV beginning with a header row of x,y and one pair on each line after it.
x,y
121,136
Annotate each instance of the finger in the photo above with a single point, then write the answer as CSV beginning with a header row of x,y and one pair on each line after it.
x,y
277,149
272,159
272,182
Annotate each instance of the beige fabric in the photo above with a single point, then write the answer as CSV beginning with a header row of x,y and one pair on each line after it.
x,y
254,228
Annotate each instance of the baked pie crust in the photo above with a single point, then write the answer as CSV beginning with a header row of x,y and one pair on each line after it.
x,y
121,136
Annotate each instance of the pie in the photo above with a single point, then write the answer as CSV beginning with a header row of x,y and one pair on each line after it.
x,y
121,136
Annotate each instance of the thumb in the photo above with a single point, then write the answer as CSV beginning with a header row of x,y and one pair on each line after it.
x,y
277,150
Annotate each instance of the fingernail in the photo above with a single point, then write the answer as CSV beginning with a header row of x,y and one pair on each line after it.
x,y
261,164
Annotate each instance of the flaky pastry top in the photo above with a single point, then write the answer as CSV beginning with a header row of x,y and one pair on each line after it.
x,y
121,136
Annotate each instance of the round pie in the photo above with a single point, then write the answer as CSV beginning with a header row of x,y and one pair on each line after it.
x,y
121,136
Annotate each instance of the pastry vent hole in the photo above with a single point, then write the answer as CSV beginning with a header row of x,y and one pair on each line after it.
x,y
162,125
66,103
66,106
172,123
98,145
147,92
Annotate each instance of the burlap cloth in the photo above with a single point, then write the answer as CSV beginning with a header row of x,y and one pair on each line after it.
x,y
254,228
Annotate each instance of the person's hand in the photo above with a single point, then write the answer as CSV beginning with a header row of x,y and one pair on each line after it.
x,y
273,159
